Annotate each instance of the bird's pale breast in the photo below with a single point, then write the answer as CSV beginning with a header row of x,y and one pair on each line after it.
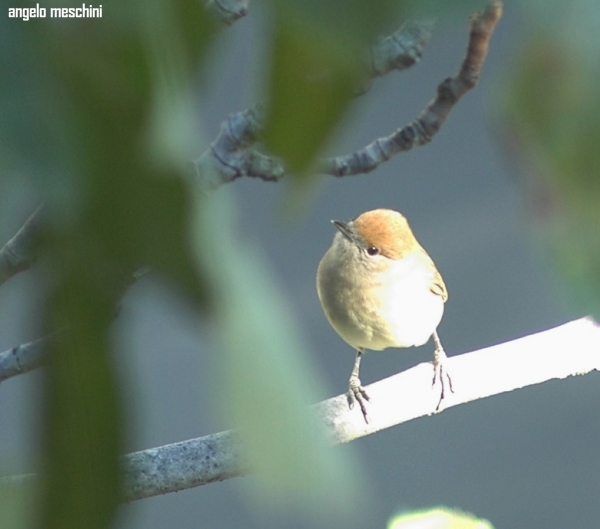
x,y
396,309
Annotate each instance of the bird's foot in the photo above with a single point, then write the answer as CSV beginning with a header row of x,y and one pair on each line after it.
x,y
356,393
440,372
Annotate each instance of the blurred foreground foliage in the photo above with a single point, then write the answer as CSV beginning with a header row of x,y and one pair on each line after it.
x,y
17,504
109,209
551,113
95,112
438,518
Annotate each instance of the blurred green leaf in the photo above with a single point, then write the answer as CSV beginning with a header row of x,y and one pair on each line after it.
x,y
438,518
136,211
318,59
319,55
114,208
446,12
309,94
552,108
17,501
351,21
181,28
83,430
31,131
149,224
266,383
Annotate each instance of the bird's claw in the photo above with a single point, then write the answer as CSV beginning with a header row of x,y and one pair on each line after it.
x,y
356,393
441,373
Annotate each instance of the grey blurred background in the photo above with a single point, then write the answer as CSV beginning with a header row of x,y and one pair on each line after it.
x,y
524,459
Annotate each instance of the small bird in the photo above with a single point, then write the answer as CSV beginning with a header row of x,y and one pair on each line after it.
x,y
379,288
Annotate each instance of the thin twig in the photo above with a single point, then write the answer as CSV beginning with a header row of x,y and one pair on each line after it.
x,y
22,358
229,156
401,49
429,122
233,154
228,11
28,356
17,254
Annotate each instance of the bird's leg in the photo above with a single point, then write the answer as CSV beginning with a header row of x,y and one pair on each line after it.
x,y
356,392
439,368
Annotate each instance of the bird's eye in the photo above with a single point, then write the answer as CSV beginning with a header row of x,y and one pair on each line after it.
x,y
371,250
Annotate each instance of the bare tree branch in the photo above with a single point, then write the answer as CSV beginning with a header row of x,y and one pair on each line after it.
x,y
17,254
229,156
401,49
228,11
569,350
26,357
232,155
421,130
184,465
22,358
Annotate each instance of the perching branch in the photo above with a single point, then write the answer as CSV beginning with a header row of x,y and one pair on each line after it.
x,y
569,350
17,254
181,466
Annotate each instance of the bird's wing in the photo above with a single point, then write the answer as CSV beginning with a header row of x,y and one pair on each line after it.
x,y
438,287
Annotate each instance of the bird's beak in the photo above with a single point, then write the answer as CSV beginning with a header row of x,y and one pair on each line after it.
x,y
344,229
